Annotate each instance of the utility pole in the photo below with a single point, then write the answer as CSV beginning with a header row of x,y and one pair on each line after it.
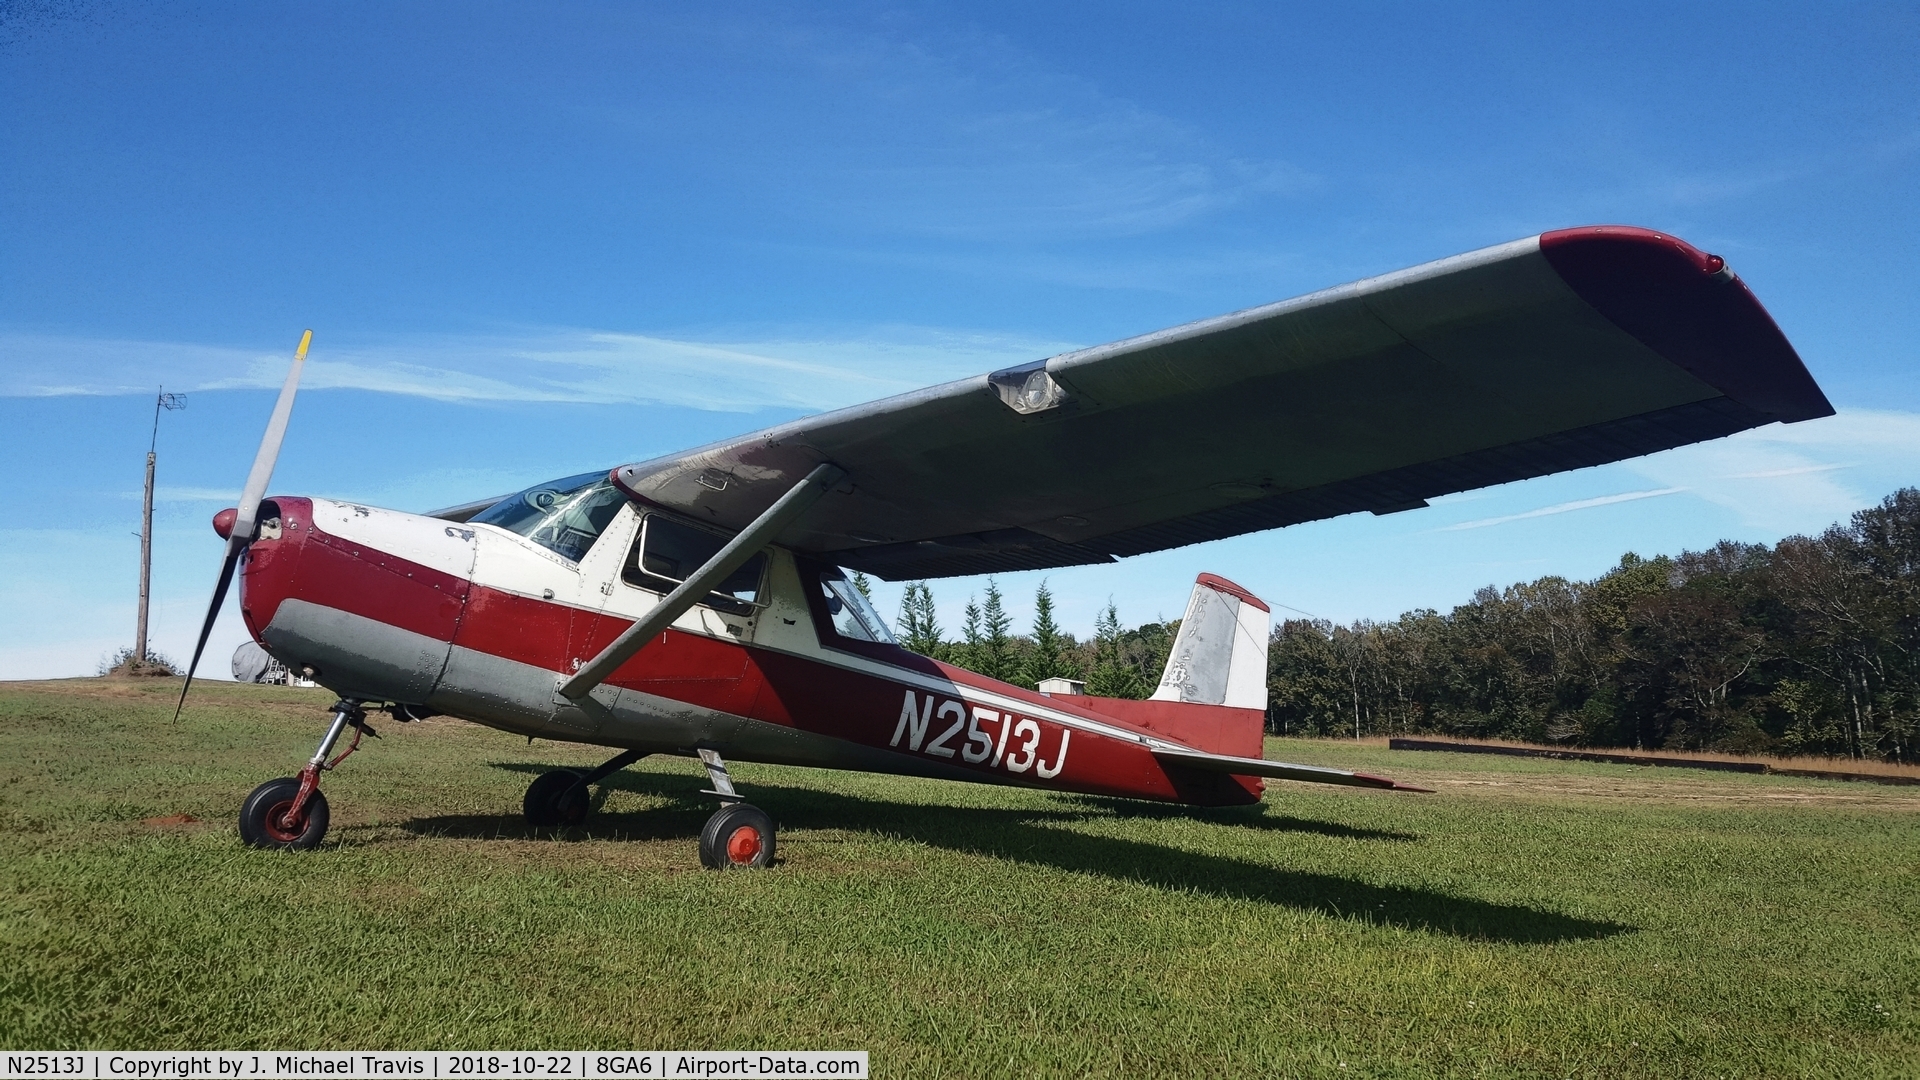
x,y
169,402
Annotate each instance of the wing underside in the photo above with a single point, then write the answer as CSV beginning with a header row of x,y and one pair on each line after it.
x,y
1556,352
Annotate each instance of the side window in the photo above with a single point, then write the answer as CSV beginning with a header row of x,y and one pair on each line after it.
x,y
667,552
853,616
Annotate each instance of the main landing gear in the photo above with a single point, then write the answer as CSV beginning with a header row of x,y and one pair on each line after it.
x,y
565,796
737,837
290,814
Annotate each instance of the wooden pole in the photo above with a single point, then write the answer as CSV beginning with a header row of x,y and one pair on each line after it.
x,y
146,564
169,402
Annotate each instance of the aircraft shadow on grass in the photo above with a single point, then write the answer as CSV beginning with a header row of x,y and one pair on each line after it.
x,y
1033,836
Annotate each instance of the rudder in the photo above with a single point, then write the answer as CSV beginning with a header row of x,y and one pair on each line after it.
x,y
1213,692
1220,655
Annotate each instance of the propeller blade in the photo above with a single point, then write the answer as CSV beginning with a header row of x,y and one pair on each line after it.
x,y
262,473
243,525
213,612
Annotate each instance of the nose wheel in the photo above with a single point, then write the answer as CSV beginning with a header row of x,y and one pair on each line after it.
x,y
738,836
269,820
290,814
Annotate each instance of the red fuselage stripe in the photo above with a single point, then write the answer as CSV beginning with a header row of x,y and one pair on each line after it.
x,y
814,695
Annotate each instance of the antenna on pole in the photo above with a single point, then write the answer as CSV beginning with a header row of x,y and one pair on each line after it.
x,y
171,403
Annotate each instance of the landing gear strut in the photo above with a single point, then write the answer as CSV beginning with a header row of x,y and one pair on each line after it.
x,y
738,836
290,814
565,796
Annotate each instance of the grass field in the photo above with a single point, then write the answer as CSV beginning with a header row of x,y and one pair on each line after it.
x,y
1533,918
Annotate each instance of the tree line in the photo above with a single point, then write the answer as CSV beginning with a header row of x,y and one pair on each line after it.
x,y
1810,646
1117,662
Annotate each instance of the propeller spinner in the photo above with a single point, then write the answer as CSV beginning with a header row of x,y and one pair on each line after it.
x,y
240,532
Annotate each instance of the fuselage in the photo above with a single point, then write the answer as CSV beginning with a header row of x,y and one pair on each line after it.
x,y
483,621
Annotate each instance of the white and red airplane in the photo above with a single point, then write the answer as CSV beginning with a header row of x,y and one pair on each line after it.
x,y
697,604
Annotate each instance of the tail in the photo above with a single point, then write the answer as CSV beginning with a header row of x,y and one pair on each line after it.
x,y
1220,654
1213,694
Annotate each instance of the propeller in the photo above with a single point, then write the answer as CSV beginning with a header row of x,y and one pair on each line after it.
x,y
243,523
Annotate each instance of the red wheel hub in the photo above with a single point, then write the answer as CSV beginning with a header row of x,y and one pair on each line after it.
x,y
284,833
743,845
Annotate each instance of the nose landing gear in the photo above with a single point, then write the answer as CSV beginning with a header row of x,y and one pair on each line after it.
x,y
290,814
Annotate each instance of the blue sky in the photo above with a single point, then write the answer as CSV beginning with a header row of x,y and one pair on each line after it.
x,y
538,239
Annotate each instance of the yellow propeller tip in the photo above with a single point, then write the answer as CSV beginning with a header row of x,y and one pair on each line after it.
x,y
306,339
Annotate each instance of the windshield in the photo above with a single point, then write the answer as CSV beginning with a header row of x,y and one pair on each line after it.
x,y
564,516
852,615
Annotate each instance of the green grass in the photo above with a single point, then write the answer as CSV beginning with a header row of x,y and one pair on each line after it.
x,y
1534,918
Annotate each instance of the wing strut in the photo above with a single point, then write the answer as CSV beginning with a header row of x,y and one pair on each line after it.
x,y
691,591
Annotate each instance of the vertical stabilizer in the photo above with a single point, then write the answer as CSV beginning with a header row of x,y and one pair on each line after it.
x,y
1220,654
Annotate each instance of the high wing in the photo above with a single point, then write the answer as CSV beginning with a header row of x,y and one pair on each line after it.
x,y
465,511
1559,351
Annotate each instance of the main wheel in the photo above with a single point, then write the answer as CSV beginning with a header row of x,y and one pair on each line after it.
x,y
556,798
738,837
260,817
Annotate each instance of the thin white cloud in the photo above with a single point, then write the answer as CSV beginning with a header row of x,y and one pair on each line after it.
x,y
1778,479
1562,508
1159,273
166,494
806,373
1801,470
1786,478
951,135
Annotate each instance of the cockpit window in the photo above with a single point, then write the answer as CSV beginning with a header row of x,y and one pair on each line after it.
x,y
668,552
853,615
564,516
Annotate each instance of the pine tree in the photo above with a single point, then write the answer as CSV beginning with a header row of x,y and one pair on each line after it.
x,y
994,656
1048,658
966,652
1112,676
919,631
860,582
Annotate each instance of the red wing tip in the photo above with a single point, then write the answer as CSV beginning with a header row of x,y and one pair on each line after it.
x,y
1633,234
1391,784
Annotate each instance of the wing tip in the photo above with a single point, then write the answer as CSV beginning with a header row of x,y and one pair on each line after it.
x,y
1689,307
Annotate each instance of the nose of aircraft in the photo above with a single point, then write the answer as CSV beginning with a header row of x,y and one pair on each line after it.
x,y
223,521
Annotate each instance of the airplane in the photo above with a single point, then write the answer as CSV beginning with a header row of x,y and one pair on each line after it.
x,y
700,604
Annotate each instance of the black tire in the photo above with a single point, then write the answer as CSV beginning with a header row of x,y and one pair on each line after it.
x,y
260,815
556,799
738,837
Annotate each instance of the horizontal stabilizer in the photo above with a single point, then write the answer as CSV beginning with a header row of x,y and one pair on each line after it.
x,y
1278,770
